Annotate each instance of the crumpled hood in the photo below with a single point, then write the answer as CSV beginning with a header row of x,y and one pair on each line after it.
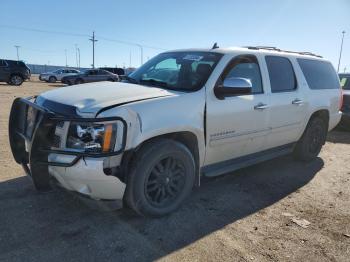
x,y
92,97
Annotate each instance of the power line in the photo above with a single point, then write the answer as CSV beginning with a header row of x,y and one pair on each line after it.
x,y
141,46
80,35
43,31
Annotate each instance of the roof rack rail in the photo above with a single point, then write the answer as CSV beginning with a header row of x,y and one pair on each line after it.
x,y
272,48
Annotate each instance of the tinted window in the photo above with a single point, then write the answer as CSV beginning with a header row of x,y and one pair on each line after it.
x,y
345,82
103,72
3,63
281,73
319,74
245,67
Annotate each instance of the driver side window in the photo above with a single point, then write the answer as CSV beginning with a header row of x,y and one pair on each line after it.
x,y
245,66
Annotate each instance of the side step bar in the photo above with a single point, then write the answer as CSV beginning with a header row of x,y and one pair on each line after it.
x,y
245,161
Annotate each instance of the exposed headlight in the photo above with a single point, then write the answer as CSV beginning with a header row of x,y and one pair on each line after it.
x,y
93,137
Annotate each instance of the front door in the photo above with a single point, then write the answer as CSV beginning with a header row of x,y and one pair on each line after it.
x,y
4,71
238,125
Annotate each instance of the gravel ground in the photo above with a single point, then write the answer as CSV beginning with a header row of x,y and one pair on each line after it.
x,y
243,216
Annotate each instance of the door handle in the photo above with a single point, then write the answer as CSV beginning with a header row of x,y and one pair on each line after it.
x,y
297,101
261,106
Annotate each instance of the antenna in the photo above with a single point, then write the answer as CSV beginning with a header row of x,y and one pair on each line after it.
x,y
215,46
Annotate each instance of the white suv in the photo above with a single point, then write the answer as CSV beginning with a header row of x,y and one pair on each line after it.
x,y
147,140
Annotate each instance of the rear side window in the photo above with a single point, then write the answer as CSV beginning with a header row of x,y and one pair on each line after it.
x,y
3,63
345,82
281,73
319,74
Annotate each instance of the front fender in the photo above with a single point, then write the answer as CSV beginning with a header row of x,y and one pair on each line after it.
x,y
161,116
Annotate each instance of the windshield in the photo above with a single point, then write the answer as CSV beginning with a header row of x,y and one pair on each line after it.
x,y
183,71
345,82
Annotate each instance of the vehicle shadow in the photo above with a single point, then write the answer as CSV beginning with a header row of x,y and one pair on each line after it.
x,y
56,85
339,135
59,227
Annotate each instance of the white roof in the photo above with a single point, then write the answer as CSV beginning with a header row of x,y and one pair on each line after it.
x,y
252,50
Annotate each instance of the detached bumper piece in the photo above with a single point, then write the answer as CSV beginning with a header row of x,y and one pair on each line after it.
x,y
32,139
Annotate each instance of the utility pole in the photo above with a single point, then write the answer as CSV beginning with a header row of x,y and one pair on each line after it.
x,y
79,57
65,52
141,49
341,50
76,54
130,59
93,40
17,46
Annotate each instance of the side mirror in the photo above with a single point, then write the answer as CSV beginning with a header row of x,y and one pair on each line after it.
x,y
232,87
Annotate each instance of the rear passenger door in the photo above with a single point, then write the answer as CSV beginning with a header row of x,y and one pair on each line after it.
x,y
287,105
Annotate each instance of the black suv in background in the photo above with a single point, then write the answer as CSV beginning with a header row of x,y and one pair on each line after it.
x,y
13,72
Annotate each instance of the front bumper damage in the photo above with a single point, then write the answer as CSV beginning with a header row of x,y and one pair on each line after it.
x,y
32,139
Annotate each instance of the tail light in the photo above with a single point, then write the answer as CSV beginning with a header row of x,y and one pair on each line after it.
x,y
341,101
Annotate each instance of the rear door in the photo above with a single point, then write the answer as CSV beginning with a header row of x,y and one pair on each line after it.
x,y
91,76
237,125
287,101
103,75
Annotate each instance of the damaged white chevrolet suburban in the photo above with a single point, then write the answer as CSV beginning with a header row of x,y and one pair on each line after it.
x,y
147,140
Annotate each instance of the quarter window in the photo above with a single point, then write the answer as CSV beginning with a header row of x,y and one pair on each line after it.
x,y
245,66
319,74
3,63
345,82
281,73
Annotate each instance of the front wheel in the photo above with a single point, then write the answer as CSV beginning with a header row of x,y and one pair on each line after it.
x,y
311,142
52,79
162,177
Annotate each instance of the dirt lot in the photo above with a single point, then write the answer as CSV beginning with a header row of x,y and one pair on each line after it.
x,y
243,216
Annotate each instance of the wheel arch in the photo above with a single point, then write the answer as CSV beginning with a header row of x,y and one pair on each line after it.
x,y
321,113
186,138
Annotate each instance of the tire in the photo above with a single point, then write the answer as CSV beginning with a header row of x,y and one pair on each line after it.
x,y
79,81
52,79
311,142
162,177
16,80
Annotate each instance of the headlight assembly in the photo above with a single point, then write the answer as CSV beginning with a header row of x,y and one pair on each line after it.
x,y
92,137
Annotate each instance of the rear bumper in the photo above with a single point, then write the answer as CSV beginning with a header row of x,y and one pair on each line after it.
x,y
32,140
345,120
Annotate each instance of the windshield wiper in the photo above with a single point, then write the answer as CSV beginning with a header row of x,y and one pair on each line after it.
x,y
154,82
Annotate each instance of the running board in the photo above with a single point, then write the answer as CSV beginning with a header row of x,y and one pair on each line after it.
x,y
245,161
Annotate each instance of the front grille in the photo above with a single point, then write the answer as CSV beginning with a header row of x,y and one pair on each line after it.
x,y
56,141
60,124
30,121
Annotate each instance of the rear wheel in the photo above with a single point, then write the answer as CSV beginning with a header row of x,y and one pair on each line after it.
x,y
314,137
52,79
16,80
79,81
163,176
